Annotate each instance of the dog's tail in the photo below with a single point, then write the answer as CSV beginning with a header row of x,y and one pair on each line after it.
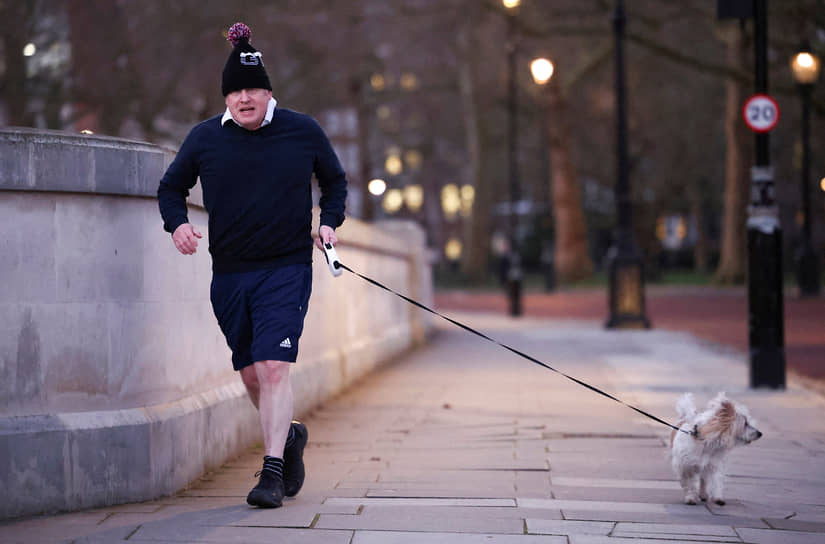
x,y
685,407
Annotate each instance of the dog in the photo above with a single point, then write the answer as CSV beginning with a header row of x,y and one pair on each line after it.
x,y
698,458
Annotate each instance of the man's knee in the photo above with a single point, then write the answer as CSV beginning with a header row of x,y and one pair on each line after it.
x,y
271,372
249,376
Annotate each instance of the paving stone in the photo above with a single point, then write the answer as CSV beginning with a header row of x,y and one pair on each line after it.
x,y
770,536
52,535
566,527
615,494
426,502
387,537
615,482
411,519
599,539
610,506
701,517
796,525
480,491
704,533
175,532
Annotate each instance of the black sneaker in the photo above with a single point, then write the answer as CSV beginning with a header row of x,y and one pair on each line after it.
x,y
268,493
294,460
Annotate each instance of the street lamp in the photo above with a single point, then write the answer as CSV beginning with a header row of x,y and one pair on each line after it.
x,y
514,272
805,67
625,267
542,70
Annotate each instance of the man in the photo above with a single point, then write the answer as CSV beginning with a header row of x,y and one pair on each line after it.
x,y
255,163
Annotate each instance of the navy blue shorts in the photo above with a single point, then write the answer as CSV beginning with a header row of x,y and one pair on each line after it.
x,y
262,313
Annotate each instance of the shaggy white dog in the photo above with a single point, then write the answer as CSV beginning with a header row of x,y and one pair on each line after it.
x,y
698,458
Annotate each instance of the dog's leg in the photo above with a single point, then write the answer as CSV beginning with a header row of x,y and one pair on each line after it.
x,y
690,483
714,480
703,488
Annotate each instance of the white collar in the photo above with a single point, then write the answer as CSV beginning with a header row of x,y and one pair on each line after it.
x,y
270,112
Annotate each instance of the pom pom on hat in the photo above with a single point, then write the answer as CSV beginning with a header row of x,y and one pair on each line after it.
x,y
238,32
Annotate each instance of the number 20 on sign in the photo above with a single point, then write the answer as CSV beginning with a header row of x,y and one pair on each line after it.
x,y
761,113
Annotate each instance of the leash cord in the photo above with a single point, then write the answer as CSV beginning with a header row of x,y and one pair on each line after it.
x,y
508,348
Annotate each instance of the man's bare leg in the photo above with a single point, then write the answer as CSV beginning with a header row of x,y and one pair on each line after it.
x,y
275,404
249,377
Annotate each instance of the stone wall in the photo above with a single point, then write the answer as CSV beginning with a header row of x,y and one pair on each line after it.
x,y
115,381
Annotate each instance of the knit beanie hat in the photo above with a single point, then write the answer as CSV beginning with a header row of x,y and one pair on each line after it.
x,y
244,69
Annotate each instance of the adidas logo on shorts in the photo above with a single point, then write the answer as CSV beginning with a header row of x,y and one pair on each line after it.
x,y
285,343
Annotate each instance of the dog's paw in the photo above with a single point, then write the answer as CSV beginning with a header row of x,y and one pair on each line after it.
x,y
691,499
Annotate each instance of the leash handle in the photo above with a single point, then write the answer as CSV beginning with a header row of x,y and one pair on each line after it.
x,y
333,261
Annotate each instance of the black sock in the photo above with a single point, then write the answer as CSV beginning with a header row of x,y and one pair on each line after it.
x,y
290,438
274,466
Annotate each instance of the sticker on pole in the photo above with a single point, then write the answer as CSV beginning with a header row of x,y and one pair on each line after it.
x,y
761,113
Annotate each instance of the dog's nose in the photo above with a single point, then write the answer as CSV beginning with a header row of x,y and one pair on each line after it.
x,y
758,434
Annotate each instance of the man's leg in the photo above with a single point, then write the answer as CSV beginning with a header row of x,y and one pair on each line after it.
x,y
249,377
271,392
275,404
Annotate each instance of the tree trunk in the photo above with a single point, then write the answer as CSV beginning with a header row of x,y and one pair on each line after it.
x,y
732,258
697,211
477,228
572,256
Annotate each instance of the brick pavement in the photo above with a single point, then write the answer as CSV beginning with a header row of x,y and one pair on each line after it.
x,y
462,442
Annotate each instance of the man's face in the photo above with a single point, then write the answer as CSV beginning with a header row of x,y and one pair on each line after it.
x,y
248,106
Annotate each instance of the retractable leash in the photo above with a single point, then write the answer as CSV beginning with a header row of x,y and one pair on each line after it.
x,y
335,266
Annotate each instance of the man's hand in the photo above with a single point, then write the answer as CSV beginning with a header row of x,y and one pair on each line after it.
x,y
326,234
185,238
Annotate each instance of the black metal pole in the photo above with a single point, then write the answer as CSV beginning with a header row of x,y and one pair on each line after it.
x,y
625,266
766,333
807,263
622,187
514,271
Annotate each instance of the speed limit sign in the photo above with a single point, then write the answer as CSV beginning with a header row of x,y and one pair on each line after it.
x,y
761,113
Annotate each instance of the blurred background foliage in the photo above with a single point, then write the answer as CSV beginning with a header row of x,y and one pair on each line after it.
x,y
414,92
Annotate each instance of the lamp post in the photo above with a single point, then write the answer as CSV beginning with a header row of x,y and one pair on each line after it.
x,y
514,271
542,70
766,326
625,266
805,67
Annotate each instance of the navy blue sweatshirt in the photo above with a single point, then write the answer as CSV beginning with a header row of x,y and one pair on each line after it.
x,y
256,189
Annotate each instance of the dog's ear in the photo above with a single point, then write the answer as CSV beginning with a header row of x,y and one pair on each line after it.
x,y
727,411
721,397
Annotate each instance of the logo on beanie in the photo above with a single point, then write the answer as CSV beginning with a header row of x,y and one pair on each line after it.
x,y
252,59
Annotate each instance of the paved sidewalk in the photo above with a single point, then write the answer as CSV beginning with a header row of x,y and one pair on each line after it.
x,y
462,442
716,314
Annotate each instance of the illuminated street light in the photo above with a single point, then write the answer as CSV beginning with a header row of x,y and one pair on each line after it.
x,y
515,273
805,68
413,197
393,200
542,70
377,82
29,50
450,200
452,249
393,165
468,195
377,187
